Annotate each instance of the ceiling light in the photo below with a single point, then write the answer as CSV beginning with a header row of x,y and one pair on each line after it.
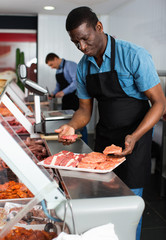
x,y
49,8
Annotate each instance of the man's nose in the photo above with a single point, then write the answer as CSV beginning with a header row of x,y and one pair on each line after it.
x,y
82,45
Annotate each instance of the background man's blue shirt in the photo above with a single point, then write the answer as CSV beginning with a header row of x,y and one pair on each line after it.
x,y
69,71
134,66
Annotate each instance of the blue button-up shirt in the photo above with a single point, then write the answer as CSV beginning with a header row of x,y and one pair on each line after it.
x,y
69,72
134,66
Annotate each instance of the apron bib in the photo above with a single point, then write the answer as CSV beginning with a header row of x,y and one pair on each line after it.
x,y
69,101
120,115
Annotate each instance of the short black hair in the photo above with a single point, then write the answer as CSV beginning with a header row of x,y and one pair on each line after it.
x,y
50,57
81,15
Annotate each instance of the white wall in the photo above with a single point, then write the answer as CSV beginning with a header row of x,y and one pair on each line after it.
x,y
143,22
52,37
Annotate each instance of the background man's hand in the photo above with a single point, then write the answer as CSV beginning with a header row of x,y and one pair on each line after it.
x,y
59,94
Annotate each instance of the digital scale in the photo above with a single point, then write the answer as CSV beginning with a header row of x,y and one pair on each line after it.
x,y
45,122
51,120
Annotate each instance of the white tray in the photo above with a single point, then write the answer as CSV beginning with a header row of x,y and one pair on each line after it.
x,y
79,169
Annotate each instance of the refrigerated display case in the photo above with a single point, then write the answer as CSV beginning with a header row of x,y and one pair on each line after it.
x,y
90,199
81,200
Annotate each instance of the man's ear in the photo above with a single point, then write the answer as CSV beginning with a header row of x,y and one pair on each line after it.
x,y
99,26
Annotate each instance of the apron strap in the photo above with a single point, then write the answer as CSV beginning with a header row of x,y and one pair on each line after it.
x,y
63,63
112,53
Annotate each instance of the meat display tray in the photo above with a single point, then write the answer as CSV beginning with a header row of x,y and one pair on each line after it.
x,y
79,169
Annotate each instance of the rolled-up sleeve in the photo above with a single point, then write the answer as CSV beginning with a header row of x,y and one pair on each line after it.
x,y
144,72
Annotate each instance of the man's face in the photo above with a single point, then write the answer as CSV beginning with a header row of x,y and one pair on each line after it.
x,y
53,63
87,39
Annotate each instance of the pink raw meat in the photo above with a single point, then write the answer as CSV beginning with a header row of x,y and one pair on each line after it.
x,y
70,137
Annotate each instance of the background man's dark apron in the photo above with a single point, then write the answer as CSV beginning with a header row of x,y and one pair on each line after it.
x,y
119,115
69,101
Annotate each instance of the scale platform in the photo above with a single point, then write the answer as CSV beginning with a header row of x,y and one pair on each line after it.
x,y
50,121
57,115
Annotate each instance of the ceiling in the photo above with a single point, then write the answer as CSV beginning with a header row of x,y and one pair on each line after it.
x,y
62,7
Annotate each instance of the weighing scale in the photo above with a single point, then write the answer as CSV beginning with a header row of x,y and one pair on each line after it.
x,y
52,120
45,122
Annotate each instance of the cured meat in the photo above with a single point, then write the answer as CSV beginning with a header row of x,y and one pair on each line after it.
x,y
70,137
13,189
13,122
20,233
94,157
21,130
113,149
37,147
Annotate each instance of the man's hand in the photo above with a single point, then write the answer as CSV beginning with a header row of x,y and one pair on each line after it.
x,y
129,145
164,114
65,130
50,96
59,94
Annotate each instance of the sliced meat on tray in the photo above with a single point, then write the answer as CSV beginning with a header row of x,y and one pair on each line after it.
x,y
57,158
69,162
113,149
94,157
115,159
93,160
100,161
72,161
64,158
87,165
105,165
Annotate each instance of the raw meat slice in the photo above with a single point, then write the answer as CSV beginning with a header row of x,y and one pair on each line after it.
x,y
105,165
115,159
113,149
48,160
58,157
69,162
70,137
72,163
87,165
80,156
94,157
72,160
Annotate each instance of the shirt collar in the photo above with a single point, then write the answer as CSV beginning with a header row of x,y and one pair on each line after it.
x,y
61,64
106,53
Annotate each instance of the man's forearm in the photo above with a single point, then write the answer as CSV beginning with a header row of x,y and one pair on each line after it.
x,y
79,119
150,119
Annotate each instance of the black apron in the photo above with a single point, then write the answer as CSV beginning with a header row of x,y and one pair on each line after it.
x,y
120,115
69,101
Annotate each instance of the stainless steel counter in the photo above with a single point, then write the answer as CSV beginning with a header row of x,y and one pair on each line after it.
x,y
81,185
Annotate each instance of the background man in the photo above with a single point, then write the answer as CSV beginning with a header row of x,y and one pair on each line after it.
x,y
66,84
